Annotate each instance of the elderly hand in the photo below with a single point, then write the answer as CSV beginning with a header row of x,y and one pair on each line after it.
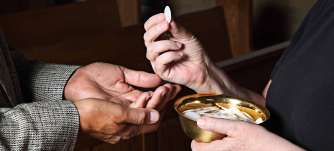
x,y
109,121
180,59
241,136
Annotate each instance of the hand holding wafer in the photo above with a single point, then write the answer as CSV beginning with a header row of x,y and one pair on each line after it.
x,y
179,59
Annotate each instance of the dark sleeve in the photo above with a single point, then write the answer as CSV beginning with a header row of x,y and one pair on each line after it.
x,y
299,35
42,81
48,125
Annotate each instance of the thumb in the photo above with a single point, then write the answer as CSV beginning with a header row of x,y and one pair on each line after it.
x,y
222,126
139,116
141,78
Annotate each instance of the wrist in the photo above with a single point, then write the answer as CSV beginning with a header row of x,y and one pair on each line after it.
x,y
72,86
82,110
88,112
210,83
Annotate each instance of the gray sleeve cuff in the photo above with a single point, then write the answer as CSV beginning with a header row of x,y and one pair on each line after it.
x,y
48,81
45,125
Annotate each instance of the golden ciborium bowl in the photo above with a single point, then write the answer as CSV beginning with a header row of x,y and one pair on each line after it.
x,y
197,101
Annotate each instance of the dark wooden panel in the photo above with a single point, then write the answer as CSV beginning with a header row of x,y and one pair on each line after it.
x,y
122,46
238,16
210,27
129,11
10,6
45,27
14,6
254,71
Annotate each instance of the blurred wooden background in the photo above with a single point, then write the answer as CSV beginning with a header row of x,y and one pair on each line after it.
x,y
109,31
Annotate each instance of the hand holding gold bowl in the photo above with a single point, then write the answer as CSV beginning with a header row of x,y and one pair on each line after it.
x,y
192,107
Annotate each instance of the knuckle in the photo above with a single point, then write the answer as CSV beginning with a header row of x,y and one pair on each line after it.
x,y
141,117
153,48
148,55
151,55
146,24
145,37
120,113
158,62
159,67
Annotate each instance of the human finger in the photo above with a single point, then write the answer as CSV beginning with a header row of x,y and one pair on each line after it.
x,y
171,92
158,97
216,145
131,96
169,57
141,78
163,61
176,89
156,19
139,116
155,32
223,126
119,100
141,101
156,48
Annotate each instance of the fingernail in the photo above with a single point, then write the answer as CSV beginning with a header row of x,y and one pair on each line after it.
x,y
154,116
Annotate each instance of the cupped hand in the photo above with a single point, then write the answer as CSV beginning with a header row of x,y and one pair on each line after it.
x,y
181,58
241,136
117,84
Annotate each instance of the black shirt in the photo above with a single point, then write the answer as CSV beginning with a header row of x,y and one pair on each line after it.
x,y
301,96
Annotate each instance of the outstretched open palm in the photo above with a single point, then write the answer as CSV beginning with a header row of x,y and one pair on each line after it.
x,y
121,85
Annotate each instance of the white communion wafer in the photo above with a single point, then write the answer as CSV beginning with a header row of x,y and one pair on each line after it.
x,y
215,112
168,14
